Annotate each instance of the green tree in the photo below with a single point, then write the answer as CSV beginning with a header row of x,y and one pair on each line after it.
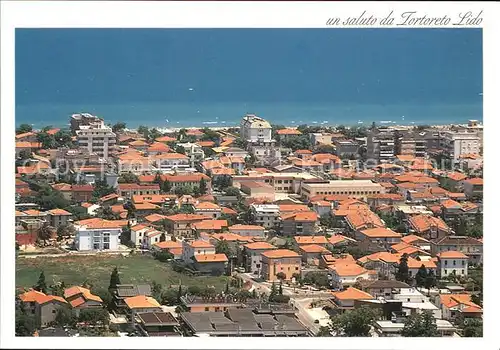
x,y
24,155
179,294
232,191
114,279
119,127
65,231
403,273
58,288
203,186
281,276
180,150
45,231
194,290
128,178
166,186
324,149
183,190
420,325
144,131
473,328
47,141
421,276
25,322
273,293
163,237
41,285
24,128
163,256
63,138
156,290
354,323
222,247
101,189
95,317
65,317
430,280
324,332
106,297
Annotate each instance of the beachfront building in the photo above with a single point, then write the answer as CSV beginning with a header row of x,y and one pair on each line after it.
x,y
352,188
83,119
166,162
257,132
380,145
96,137
456,144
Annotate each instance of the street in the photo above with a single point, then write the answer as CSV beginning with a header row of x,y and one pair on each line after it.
x,y
301,299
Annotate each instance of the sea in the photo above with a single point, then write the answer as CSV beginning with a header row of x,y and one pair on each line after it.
x,y
212,77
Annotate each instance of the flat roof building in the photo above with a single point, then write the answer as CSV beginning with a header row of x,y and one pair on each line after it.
x,y
353,188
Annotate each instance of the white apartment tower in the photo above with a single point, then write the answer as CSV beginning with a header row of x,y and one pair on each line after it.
x,y
258,134
96,138
459,143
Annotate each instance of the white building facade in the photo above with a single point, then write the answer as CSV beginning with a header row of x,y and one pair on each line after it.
x,y
96,138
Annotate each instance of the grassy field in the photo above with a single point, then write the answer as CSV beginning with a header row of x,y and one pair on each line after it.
x,y
96,270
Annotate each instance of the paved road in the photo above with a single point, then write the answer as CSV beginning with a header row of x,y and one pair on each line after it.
x,y
299,300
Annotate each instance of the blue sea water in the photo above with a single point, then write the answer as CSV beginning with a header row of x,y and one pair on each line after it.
x,y
289,76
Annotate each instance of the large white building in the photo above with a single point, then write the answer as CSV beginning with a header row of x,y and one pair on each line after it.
x,y
98,234
97,138
258,134
459,143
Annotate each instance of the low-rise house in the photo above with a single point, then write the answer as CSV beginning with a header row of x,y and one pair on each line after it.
x,y
266,215
393,327
469,246
216,304
140,304
322,207
253,231
336,241
98,234
331,259
428,226
82,193
415,264
385,263
417,241
161,324
345,299
144,236
385,288
342,275
452,262
308,240
192,248
214,264
458,307
454,211
473,188
377,238
311,253
82,299
58,217
301,223
128,190
173,247
208,209
257,189
124,291
285,261
43,307
210,226
253,252
182,224
157,148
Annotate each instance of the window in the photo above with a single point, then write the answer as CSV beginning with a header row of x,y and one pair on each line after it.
x,y
207,309
463,262
463,272
53,311
454,262
296,269
445,262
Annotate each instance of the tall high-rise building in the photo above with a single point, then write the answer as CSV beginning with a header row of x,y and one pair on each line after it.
x,y
96,137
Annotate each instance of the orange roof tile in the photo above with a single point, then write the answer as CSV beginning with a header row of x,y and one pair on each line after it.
x,y
280,253
141,302
423,222
313,248
186,217
474,181
350,269
452,254
223,171
301,216
352,293
165,139
207,258
171,156
59,212
229,211
413,238
451,204
158,147
168,244
288,131
336,239
382,256
380,232
453,300
259,245
154,218
206,205
415,264
210,225
77,302
25,134
200,244
97,223
456,176
305,240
